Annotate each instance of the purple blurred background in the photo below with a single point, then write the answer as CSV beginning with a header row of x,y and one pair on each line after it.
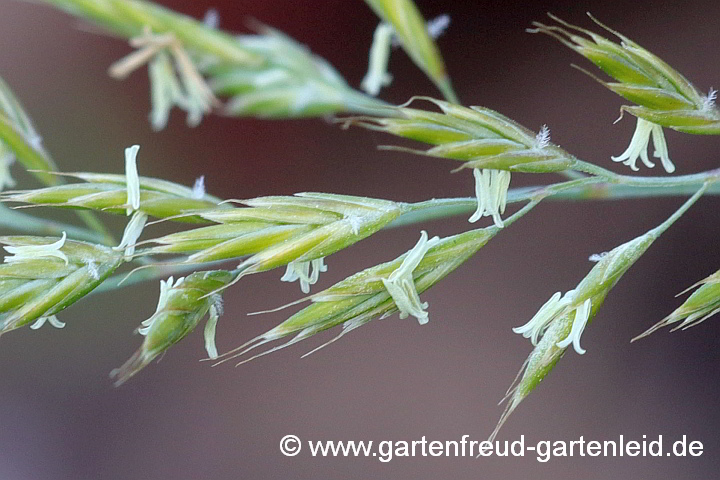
x,y
390,380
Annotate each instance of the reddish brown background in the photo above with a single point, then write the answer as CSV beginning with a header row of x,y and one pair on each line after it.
x,y
391,380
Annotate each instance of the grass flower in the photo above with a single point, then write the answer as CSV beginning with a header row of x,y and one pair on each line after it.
x,y
639,144
412,32
663,96
477,136
561,321
173,76
297,232
43,276
128,194
182,304
377,75
379,291
701,305
484,140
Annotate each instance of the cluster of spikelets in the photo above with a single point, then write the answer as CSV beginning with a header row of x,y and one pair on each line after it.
x,y
663,96
191,64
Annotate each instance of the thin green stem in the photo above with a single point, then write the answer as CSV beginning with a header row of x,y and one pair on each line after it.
x,y
584,188
612,177
679,212
595,189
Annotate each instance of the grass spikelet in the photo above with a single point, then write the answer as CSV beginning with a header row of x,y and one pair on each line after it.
x,y
46,275
701,305
181,306
412,32
477,136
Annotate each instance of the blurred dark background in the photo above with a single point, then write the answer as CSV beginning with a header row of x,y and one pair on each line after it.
x,y
391,380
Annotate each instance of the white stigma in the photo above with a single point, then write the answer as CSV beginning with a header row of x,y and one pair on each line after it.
x,y
26,253
401,285
542,139
639,145
709,101
491,188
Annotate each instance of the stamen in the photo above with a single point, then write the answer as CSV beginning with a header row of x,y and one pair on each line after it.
x,y
661,149
582,314
33,252
535,328
377,75
210,328
401,285
132,179
491,188
639,144
132,232
198,191
52,320
301,271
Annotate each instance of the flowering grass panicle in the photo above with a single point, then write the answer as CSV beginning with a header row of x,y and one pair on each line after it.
x,y
197,67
